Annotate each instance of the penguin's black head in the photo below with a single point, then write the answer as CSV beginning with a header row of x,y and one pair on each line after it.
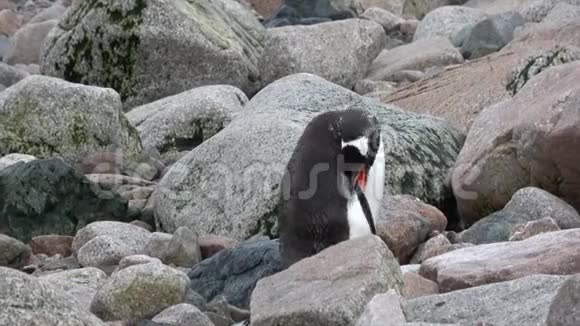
x,y
360,139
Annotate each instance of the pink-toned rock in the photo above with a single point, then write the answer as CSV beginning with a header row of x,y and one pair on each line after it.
x,y
460,93
530,140
553,253
26,43
530,229
405,222
10,22
415,286
433,247
212,244
51,245
7,4
266,8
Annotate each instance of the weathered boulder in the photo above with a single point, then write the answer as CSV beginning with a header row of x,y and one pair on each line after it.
x,y
13,253
319,50
383,308
27,300
530,229
49,197
234,272
459,94
405,222
131,238
522,142
489,35
527,204
45,117
330,288
447,21
229,185
26,43
415,286
183,314
419,55
81,285
564,307
51,245
548,253
103,251
55,11
109,43
524,301
183,121
420,8
10,75
140,292
335,9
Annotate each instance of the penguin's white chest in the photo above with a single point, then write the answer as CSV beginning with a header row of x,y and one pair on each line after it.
x,y
357,221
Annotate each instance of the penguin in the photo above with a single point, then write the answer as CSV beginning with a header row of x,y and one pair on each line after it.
x,y
332,185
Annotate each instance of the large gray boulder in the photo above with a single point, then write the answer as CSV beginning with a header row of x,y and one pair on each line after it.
x,y
151,49
45,117
527,204
524,301
28,300
80,285
447,21
229,185
181,122
320,50
140,292
329,288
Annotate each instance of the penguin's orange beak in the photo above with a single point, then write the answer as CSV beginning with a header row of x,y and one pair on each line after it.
x,y
361,178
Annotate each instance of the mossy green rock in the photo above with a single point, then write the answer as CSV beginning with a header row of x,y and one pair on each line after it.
x,y
151,49
230,184
50,197
45,117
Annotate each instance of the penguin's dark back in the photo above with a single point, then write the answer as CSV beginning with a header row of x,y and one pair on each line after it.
x,y
312,208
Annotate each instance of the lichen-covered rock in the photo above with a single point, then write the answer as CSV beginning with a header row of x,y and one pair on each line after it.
x,y
103,251
50,197
27,300
229,185
181,122
151,49
140,292
133,238
79,284
45,117
538,63
318,49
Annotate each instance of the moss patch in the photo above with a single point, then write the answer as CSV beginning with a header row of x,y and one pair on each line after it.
x,y
104,55
536,64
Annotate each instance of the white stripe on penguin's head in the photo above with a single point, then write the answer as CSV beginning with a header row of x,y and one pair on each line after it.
x,y
361,143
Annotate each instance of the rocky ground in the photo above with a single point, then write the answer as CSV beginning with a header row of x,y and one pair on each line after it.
x,y
142,144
